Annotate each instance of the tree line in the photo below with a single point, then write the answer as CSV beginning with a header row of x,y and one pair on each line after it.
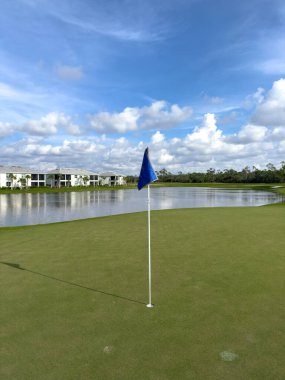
x,y
270,174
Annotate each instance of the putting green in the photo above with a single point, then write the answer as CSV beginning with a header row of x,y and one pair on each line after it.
x,y
73,297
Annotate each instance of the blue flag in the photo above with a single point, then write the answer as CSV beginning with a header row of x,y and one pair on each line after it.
x,y
147,174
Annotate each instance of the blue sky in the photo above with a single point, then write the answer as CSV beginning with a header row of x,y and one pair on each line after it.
x,y
91,83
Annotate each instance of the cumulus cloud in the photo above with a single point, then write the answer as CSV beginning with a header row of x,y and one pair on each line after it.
x,y
5,129
278,133
157,138
248,133
271,110
253,99
207,144
69,72
207,132
117,122
164,157
159,115
49,125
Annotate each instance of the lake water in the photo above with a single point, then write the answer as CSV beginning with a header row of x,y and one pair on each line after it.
x,y
38,208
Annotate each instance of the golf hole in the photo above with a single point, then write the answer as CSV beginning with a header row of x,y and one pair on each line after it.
x,y
108,349
228,356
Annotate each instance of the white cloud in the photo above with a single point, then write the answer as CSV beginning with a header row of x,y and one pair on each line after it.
x,y
206,145
117,122
159,115
157,138
69,72
49,125
249,133
278,133
5,129
255,98
271,111
164,157
207,132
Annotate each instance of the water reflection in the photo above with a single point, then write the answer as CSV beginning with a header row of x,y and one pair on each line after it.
x,y
25,209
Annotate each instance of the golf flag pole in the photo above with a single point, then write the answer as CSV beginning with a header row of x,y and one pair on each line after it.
x,y
149,250
147,175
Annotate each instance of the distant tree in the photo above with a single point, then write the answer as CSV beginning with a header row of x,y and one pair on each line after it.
x,y
131,179
270,167
269,175
282,171
210,175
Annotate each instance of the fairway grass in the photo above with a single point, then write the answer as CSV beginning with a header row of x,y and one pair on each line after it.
x,y
73,297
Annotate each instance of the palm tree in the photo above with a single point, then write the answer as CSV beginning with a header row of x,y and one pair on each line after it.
x,y
22,181
58,177
12,178
52,178
85,179
27,177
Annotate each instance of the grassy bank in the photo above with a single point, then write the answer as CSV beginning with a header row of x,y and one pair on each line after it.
x,y
73,297
62,189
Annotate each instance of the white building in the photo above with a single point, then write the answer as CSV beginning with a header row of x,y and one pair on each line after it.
x,y
17,176
66,177
112,179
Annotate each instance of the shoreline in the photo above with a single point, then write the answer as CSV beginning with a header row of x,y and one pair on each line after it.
x,y
279,204
278,188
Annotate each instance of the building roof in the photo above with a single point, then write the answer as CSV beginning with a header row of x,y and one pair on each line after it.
x,y
19,170
110,174
74,171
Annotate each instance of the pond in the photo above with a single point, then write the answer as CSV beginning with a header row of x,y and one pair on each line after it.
x,y
38,208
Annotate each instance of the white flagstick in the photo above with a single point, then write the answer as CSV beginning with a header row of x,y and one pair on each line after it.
x,y
149,251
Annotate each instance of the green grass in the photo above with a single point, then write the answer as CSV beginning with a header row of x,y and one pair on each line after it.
x,y
47,189
73,295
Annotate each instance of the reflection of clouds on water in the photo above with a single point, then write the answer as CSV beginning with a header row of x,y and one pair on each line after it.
x,y
22,209
166,203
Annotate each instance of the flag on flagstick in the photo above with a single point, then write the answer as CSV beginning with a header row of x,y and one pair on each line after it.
x,y
147,175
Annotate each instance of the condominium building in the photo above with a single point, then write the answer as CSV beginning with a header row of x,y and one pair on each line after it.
x,y
17,176
112,179
66,177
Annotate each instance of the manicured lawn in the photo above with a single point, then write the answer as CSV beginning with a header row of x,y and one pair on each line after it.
x,y
73,297
47,189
